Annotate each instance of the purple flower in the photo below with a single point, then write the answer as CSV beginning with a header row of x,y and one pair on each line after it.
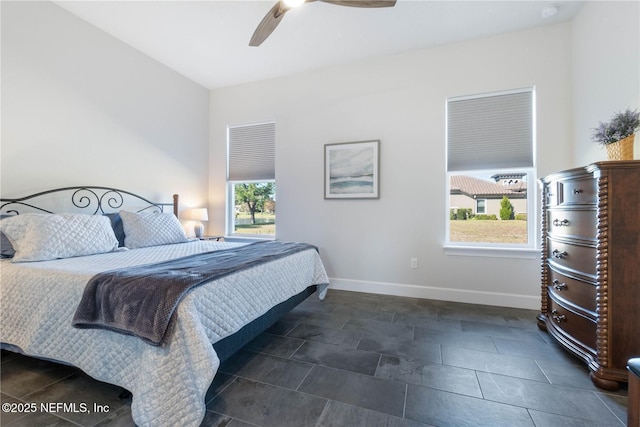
x,y
621,125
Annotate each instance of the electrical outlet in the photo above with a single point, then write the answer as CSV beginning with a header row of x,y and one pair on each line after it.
x,y
414,262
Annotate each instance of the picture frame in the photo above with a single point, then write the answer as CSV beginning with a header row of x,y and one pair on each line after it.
x,y
352,170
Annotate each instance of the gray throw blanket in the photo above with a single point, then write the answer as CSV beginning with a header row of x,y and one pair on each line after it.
x,y
141,300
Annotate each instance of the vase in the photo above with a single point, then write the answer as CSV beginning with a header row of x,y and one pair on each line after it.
x,y
621,150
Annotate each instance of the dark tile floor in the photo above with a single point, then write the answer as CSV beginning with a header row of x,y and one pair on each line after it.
x,y
365,360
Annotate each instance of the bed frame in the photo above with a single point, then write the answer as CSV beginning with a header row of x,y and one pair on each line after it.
x,y
97,200
93,200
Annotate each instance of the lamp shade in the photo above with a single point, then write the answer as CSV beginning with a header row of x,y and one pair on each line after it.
x,y
198,214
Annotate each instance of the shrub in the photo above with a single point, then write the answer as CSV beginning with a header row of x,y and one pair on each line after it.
x,y
464,213
483,217
521,217
506,209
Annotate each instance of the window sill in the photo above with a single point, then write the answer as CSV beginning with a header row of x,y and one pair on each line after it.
x,y
246,239
492,252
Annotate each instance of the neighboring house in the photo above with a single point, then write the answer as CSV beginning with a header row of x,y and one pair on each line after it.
x,y
484,197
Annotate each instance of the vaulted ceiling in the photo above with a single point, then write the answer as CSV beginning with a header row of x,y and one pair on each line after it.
x,y
208,41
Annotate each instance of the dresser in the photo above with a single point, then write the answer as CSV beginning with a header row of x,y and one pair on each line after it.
x,y
591,265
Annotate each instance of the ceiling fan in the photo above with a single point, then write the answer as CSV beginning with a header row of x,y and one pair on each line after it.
x,y
274,16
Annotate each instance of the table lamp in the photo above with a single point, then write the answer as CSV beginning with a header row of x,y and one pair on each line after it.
x,y
198,215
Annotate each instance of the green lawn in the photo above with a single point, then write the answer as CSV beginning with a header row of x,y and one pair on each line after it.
x,y
488,231
460,231
265,224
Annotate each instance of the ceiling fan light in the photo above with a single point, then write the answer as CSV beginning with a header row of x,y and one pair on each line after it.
x,y
293,3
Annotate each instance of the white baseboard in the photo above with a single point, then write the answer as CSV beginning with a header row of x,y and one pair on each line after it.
x,y
443,294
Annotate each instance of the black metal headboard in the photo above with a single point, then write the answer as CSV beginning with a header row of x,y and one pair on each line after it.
x,y
86,199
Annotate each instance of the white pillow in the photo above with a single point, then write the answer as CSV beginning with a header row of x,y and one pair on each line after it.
x,y
40,236
151,229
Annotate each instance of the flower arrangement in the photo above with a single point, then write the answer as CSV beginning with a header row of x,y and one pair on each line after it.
x,y
621,125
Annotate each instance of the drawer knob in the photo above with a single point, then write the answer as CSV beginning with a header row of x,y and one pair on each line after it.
x,y
557,254
558,317
559,286
576,191
560,223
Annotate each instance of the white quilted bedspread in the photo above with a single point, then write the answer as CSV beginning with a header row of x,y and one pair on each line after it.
x,y
168,383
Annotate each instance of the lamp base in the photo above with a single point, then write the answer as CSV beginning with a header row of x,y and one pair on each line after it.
x,y
198,229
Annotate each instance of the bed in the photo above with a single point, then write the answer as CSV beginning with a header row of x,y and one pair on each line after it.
x,y
168,379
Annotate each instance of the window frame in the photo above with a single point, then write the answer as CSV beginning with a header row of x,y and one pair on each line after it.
x,y
264,129
484,206
231,210
528,250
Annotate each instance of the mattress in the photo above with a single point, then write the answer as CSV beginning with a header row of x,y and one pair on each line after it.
x,y
168,383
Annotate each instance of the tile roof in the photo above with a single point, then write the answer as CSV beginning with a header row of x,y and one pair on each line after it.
x,y
479,187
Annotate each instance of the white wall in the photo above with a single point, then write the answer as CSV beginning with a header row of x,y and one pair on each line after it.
x,y
606,70
367,244
82,108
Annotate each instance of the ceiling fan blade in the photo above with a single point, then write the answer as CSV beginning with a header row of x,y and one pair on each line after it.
x,y
362,3
268,24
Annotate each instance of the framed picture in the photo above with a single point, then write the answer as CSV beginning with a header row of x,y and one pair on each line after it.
x,y
352,170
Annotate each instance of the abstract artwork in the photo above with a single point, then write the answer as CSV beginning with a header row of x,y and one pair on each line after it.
x,y
351,170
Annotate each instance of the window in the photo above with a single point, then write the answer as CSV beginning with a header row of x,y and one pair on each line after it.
x,y
251,187
480,206
490,168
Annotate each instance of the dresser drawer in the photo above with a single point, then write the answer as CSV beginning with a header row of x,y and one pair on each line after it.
x,y
579,191
550,196
576,292
578,327
581,259
575,223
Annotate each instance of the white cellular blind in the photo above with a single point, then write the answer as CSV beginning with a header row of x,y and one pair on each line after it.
x,y
252,152
490,132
